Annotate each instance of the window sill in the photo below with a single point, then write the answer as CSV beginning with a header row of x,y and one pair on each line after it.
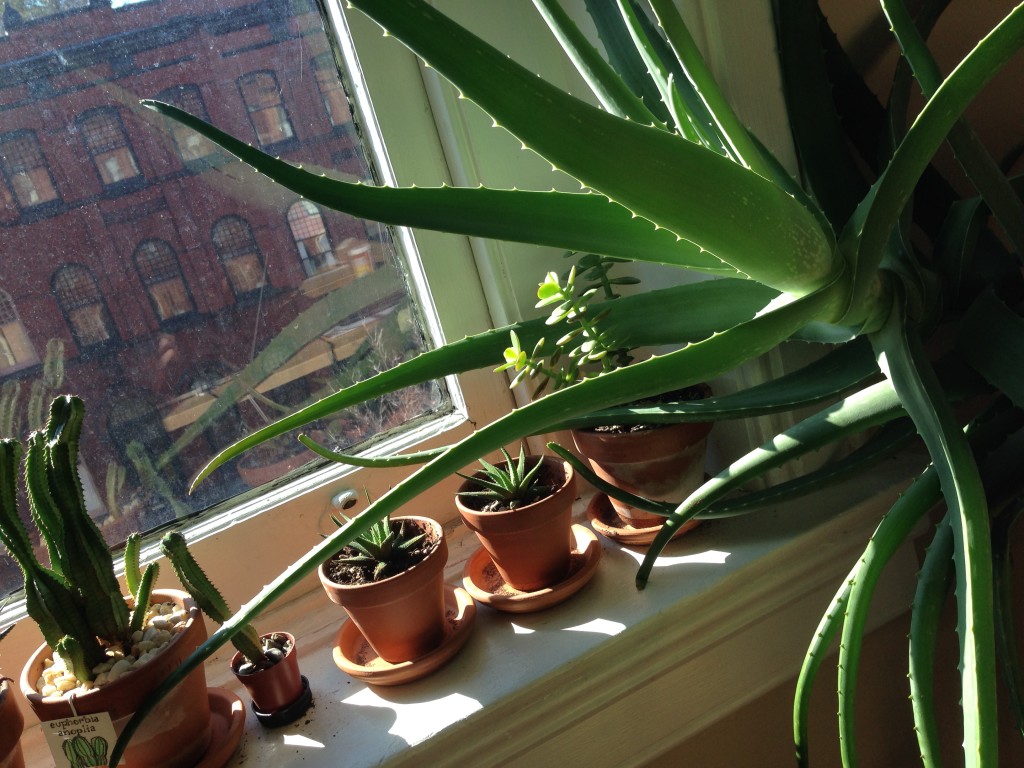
x,y
726,617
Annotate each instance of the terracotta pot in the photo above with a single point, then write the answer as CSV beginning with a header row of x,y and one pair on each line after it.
x,y
280,695
177,733
664,463
11,725
401,617
530,545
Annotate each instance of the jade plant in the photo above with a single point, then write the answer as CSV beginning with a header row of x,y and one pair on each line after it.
x,y
515,485
76,600
565,361
916,307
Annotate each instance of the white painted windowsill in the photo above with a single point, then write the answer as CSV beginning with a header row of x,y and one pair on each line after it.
x,y
727,616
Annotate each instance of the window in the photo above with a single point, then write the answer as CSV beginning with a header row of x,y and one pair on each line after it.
x,y
16,350
159,271
83,305
191,146
331,91
311,238
26,170
262,97
107,144
236,247
229,234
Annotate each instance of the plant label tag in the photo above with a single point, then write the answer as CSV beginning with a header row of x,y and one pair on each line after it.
x,y
78,742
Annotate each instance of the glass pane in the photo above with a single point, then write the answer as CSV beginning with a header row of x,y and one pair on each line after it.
x,y
195,300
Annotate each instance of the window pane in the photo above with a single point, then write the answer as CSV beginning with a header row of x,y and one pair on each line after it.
x,y
200,301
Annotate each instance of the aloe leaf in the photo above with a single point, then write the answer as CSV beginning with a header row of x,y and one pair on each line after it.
x,y
894,188
624,58
603,486
727,126
982,169
380,462
576,221
821,642
821,142
903,361
923,494
610,89
690,365
932,587
670,316
991,337
779,242
840,371
1006,612
869,407
883,444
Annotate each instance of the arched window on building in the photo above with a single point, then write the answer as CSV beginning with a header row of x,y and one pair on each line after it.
x,y
262,96
160,272
310,235
83,305
331,91
107,143
16,350
25,169
237,250
191,146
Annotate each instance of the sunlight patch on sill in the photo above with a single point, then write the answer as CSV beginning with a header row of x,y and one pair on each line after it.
x,y
418,721
709,557
600,626
297,740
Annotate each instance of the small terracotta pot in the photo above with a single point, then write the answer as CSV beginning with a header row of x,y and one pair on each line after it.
x,y
401,617
11,725
530,546
177,733
665,463
277,692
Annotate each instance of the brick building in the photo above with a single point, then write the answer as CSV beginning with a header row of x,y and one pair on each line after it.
x,y
162,264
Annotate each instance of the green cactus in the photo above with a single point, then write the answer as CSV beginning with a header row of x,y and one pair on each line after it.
x,y
76,601
207,596
11,416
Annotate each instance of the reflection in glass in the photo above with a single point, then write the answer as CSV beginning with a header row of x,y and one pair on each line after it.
x,y
186,299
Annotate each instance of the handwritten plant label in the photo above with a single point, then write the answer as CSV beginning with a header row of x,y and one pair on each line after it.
x,y
82,741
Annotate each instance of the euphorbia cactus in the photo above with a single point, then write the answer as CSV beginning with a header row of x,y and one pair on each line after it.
x,y
208,597
77,600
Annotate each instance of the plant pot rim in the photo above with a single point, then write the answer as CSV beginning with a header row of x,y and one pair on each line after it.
x,y
236,658
553,462
433,525
119,688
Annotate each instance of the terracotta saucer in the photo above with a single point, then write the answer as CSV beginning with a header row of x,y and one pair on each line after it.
x,y
227,723
602,516
354,655
482,580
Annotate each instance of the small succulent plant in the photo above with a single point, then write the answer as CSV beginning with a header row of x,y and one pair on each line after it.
x,y
383,547
512,483
76,601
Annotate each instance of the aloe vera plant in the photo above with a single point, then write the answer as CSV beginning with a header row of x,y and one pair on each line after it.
x,y
76,601
678,180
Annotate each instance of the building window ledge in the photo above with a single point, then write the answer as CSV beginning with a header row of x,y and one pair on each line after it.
x,y
727,616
